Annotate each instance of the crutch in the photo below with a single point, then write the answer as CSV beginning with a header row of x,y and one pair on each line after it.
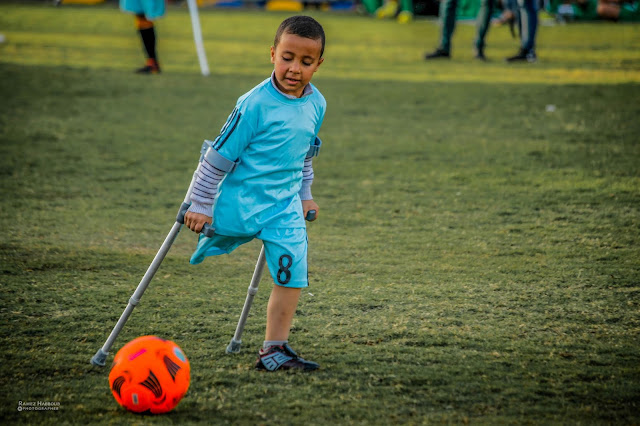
x,y
100,357
236,340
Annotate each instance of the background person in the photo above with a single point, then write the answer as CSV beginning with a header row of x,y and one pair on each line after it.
x,y
528,13
615,10
448,9
146,11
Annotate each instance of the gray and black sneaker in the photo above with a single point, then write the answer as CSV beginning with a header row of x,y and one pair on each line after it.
x,y
282,358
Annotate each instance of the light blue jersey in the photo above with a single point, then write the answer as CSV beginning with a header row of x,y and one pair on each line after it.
x,y
268,135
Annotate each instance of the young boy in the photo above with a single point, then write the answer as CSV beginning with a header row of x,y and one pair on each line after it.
x,y
262,160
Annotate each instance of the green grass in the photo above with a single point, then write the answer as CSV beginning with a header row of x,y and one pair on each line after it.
x,y
476,259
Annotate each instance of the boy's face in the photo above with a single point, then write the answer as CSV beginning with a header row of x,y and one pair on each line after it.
x,y
295,59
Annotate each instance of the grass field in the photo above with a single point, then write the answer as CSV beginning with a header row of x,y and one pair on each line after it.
x,y
477,257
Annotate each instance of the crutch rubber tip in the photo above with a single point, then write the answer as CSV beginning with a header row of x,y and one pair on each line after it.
x,y
234,346
99,358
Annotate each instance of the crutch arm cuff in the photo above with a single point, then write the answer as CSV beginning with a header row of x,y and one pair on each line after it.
x,y
217,160
314,148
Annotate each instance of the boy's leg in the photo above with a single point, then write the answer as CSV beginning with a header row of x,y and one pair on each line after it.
x,y
286,254
280,310
276,354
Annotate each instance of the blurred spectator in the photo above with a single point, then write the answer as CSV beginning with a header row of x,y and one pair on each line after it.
x,y
402,10
619,10
614,10
448,20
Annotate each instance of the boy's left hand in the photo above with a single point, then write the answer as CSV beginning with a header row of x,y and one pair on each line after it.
x,y
196,221
309,205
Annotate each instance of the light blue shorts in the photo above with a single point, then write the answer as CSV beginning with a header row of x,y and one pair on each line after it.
x,y
151,9
285,250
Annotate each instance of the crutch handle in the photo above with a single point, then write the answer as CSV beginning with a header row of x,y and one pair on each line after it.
x,y
311,215
207,229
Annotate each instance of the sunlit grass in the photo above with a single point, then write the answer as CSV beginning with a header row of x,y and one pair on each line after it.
x,y
476,259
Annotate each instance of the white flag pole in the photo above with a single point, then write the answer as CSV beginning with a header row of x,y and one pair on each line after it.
x,y
197,36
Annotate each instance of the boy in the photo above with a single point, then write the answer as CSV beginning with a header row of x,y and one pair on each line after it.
x,y
264,153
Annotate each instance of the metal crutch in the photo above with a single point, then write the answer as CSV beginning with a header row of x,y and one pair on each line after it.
x,y
236,340
100,357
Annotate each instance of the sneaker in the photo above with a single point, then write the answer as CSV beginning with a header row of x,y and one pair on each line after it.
x,y
522,55
151,67
282,358
404,17
479,55
438,53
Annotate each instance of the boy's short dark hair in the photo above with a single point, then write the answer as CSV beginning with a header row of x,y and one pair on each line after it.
x,y
302,26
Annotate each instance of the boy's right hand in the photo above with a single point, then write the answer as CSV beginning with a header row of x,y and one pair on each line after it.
x,y
195,221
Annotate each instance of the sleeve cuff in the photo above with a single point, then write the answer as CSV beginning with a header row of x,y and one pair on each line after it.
x,y
205,209
305,192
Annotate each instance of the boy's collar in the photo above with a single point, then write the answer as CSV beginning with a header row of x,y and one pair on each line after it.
x,y
306,92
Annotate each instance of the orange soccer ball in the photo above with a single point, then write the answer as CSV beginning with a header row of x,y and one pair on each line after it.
x,y
149,375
